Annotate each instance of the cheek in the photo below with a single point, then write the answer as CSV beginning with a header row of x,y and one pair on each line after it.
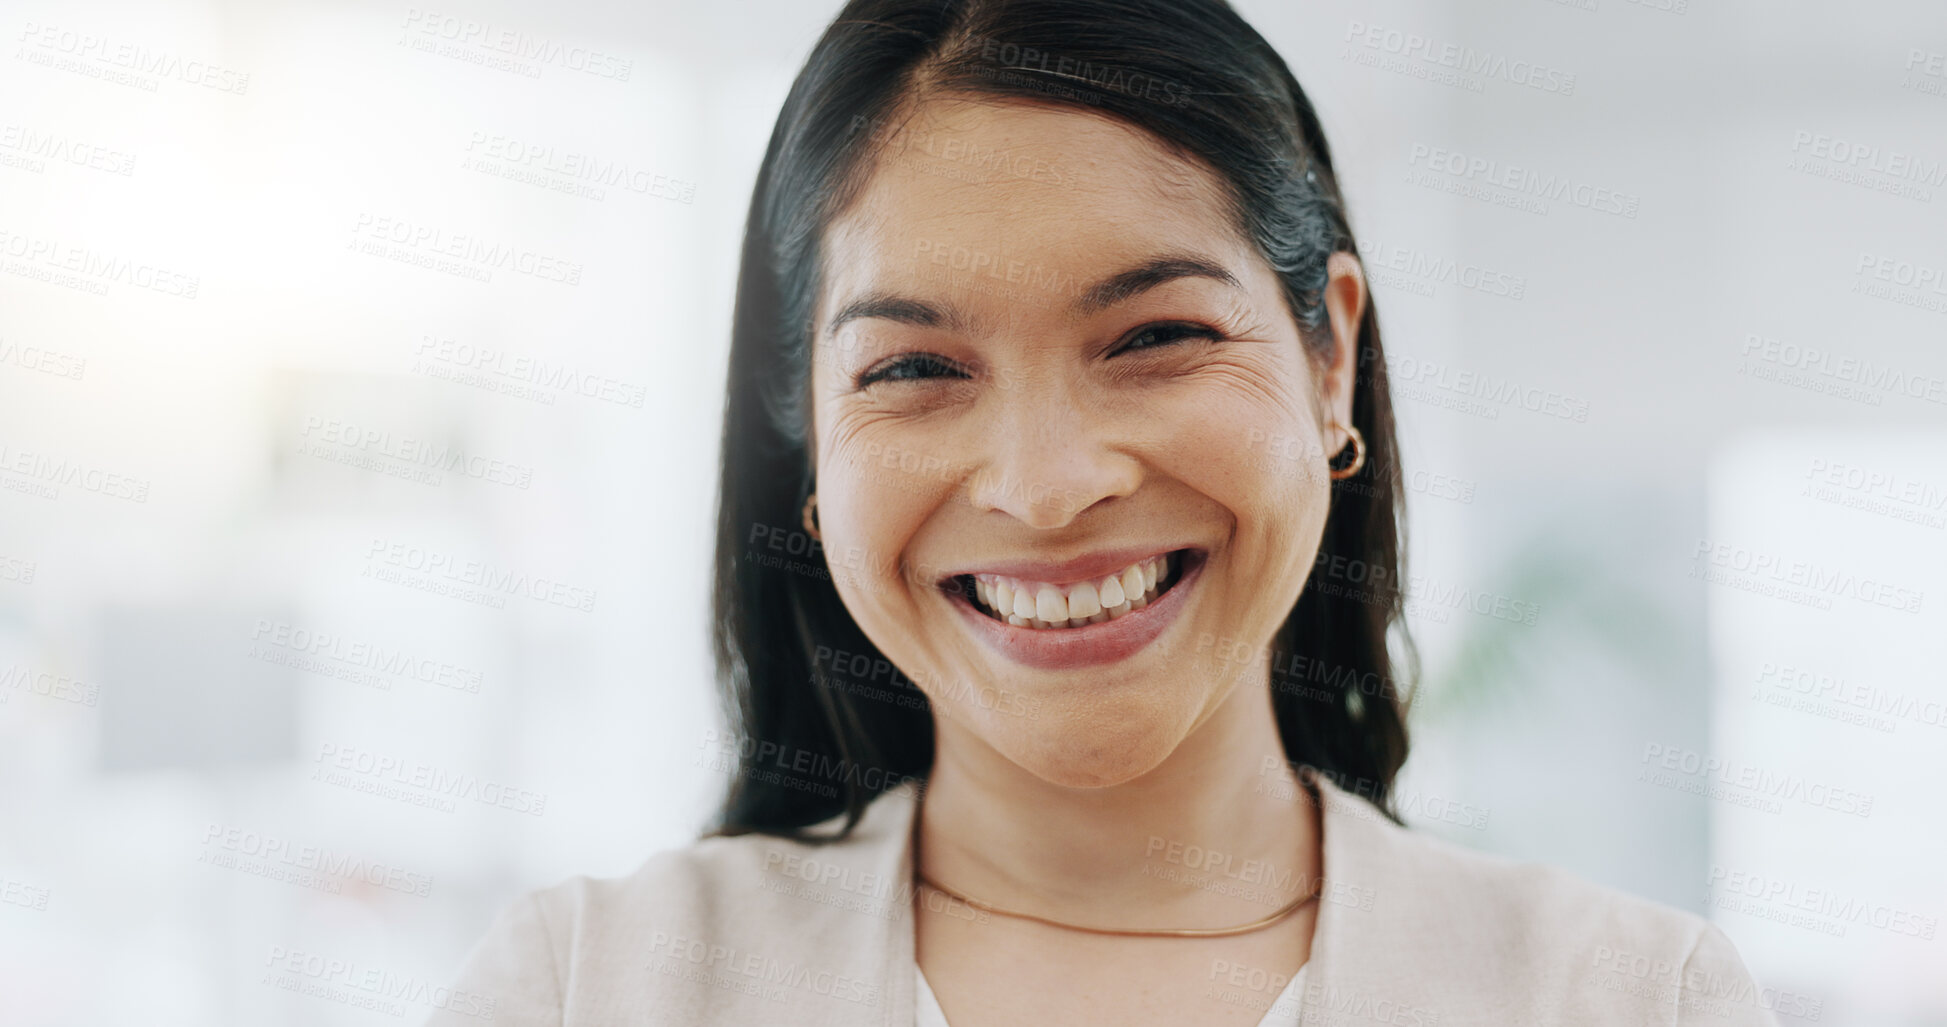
x,y
873,498
1247,440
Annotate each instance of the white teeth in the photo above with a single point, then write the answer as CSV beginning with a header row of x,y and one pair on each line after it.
x,y
1112,595
1034,604
1084,602
1132,584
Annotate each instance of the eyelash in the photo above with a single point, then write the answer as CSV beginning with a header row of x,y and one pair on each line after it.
x,y
894,370
898,369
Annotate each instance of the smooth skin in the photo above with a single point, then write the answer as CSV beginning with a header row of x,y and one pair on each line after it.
x,y
983,401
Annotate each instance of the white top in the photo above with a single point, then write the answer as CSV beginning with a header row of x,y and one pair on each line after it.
x,y
1283,1011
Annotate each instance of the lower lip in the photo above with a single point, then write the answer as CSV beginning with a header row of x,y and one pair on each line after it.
x,y
1093,645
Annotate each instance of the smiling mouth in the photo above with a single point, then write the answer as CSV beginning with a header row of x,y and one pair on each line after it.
x,y
1048,607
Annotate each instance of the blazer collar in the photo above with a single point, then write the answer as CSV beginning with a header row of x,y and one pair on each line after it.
x,y
1357,848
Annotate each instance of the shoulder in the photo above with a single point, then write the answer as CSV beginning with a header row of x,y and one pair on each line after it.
x,y
1538,942
702,890
704,931
712,889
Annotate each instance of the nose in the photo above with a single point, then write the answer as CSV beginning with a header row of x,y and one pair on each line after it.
x,y
1049,459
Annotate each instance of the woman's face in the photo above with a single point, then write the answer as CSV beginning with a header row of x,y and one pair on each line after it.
x,y
1043,356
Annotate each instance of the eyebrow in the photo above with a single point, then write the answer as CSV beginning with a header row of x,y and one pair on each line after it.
x,y
1156,271
1117,288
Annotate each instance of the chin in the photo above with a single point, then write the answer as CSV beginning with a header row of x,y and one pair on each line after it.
x,y
1086,749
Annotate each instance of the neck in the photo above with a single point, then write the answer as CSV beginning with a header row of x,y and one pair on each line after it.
x,y
1220,832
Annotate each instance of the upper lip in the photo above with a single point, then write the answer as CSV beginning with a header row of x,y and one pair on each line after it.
x,y
1086,567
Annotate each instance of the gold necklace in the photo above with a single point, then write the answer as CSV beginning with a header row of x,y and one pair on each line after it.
x,y
1163,932
1318,885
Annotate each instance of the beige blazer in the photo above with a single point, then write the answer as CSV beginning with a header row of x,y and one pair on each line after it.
x,y
1411,932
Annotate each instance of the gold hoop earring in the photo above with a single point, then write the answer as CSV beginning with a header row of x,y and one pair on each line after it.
x,y
1358,454
810,517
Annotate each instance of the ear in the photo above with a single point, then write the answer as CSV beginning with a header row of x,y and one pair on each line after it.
x,y
1345,308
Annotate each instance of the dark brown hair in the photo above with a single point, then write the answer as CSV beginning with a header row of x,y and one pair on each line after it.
x,y
816,739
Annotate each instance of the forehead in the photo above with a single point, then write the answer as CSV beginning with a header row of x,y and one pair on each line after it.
x,y
1018,203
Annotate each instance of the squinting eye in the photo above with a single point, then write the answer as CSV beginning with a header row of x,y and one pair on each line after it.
x,y
1159,335
912,367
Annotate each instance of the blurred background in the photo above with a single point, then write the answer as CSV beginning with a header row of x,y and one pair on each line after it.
x,y
321,324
